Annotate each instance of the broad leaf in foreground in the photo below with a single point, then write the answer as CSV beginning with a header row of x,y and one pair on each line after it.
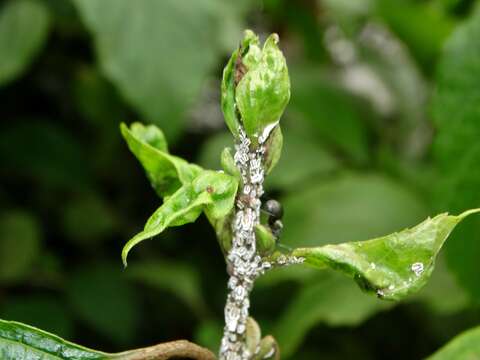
x,y
464,346
212,192
393,266
20,341
166,172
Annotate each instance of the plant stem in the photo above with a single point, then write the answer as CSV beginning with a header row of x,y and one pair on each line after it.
x,y
244,262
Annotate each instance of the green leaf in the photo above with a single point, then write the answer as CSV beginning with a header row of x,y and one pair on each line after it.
x,y
178,278
326,299
228,163
103,298
19,246
212,192
228,95
273,149
464,346
456,110
24,28
167,173
158,62
20,341
393,266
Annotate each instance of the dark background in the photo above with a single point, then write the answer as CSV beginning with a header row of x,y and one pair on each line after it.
x,y
367,152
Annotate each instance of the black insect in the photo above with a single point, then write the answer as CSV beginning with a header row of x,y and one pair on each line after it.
x,y
274,210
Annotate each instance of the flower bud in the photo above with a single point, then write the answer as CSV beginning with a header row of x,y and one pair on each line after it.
x,y
255,87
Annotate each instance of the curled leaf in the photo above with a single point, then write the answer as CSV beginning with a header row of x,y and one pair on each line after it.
x,y
392,266
211,191
228,95
166,172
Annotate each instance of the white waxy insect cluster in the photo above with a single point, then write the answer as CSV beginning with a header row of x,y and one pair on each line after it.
x,y
244,262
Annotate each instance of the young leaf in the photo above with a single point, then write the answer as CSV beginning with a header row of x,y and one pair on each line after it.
x,y
264,91
212,192
464,346
166,172
228,95
393,266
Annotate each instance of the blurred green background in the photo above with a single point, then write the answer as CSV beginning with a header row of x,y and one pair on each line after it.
x,y
381,131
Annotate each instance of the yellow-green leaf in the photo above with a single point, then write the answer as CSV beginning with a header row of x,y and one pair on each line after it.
x,y
166,172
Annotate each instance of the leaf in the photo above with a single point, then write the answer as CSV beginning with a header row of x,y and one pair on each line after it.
x,y
456,110
393,266
102,297
24,26
464,346
326,299
19,245
212,192
228,95
176,277
158,62
166,172
20,341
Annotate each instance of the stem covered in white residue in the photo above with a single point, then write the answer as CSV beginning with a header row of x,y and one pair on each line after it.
x,y
244,262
